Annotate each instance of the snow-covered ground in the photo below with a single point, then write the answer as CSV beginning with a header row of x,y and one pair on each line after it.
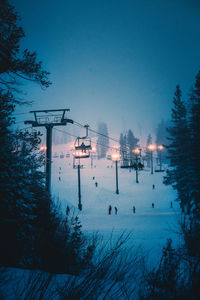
x,y
149,227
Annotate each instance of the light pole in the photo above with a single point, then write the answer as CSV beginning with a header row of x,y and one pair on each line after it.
x,y
160,148
151,148
137,152
115,158
79,187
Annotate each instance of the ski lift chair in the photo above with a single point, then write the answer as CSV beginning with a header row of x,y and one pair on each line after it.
x,y
83,146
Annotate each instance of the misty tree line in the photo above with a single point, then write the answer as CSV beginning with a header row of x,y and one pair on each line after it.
x,y
128,142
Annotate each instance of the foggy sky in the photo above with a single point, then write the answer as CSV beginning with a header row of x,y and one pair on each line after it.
x,y
112,61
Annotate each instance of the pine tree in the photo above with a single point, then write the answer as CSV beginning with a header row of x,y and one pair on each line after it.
x,y
20,178
162,281
132,143
16,65
178,151
21,186
194,125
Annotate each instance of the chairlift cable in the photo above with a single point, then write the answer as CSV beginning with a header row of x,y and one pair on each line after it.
x,y
106,136
96,132
18,114
93,142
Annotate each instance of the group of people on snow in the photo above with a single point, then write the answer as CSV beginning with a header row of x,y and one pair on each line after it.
x,y
110,210
110,207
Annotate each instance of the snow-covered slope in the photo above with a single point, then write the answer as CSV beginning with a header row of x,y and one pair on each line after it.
x,y
149,226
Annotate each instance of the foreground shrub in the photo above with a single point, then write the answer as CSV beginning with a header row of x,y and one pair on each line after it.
x,y
114,273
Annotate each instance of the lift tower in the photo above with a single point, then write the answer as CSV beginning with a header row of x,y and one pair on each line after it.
x,y
48,119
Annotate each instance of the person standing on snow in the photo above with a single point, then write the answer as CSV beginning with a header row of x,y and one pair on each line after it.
x,y
67,210
109,209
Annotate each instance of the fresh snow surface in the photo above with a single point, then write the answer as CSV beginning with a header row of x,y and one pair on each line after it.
x,y
149,227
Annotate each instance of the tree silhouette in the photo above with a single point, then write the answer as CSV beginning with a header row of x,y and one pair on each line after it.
x,y
16,65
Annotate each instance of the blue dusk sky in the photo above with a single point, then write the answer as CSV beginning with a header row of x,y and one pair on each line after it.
x,y
111,60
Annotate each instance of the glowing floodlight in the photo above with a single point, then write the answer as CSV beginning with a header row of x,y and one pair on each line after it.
x,y
115,156
160,147
43,148
136,151
152,147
